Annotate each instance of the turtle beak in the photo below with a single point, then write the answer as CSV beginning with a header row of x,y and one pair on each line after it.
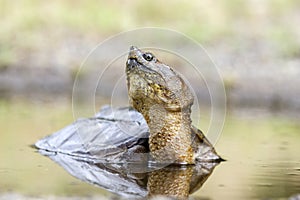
x,y
133,48
131,63
134,52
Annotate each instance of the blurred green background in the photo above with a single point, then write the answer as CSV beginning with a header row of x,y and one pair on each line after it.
x,y
255,44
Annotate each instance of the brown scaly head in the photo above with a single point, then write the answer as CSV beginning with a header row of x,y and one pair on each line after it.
x,y
153,83
165,101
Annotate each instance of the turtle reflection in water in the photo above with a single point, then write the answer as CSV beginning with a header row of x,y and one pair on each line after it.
x,y
158,123
137,181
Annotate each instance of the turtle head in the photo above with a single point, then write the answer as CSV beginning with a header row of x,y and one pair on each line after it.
x,y
154,82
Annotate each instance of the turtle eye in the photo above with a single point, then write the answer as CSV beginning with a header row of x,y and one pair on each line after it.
x,y
148,56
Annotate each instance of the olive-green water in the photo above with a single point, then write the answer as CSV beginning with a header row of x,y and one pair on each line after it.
x,y
262,152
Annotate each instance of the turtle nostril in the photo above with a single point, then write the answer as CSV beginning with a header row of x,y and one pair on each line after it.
x,y
128,62
131,63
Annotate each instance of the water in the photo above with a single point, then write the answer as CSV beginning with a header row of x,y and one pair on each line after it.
x,y
263,157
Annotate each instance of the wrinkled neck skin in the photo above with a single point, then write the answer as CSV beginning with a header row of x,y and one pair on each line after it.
x,y
170,133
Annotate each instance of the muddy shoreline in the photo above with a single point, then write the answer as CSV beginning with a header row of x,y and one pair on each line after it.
x,y
253,77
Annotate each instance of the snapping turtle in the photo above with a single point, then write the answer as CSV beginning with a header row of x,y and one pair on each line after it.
x,y
159,122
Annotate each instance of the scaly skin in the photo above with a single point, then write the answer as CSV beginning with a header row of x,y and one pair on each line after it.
x,y
165,101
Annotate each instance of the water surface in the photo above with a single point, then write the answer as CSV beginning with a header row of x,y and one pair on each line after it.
x,y
262,152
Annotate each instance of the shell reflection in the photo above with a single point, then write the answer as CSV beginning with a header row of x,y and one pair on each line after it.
x,y
132,180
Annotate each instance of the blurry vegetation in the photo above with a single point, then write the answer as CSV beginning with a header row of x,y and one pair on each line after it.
x,y
30,25
6,57
286,41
